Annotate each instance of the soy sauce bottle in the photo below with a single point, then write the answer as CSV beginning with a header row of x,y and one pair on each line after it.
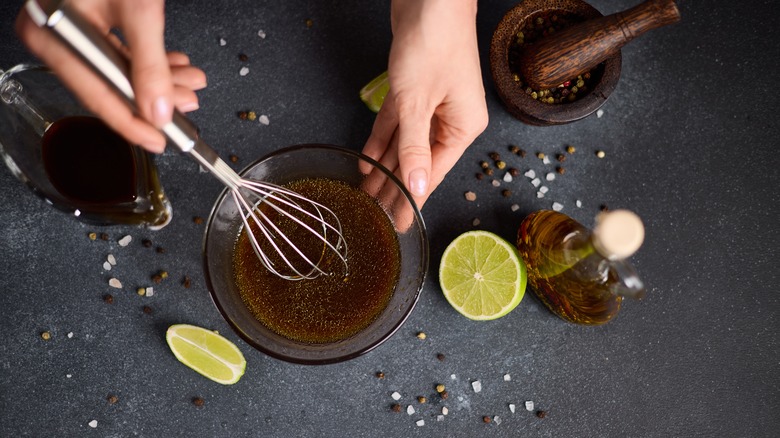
x,y
581,275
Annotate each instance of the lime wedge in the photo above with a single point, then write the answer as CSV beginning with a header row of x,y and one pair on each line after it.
x,y
206,352
482,275
373,94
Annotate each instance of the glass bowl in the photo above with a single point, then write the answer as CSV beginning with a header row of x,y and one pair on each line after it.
x,y
318,161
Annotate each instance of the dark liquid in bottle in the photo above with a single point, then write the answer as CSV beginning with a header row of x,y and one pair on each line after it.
x,y
328,308
89,163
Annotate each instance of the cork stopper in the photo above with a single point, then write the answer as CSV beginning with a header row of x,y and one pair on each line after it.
x,y
618,234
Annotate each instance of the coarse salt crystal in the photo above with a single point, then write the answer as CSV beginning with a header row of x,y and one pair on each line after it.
x,y
111,259
453,377
475,222
440,417
550,176
539,195
420,423
536,182
263,119
396,396
507,177
530,174
515,207
470,196
507,377
495,183
476,385
546,160
149,291
497,420
579,203
529,405
70,335
222,42
557,206
106,266
544,189
68,375
113,282
599,113
444,410
93,424
244,71
125,240
261,33
410,409
512,408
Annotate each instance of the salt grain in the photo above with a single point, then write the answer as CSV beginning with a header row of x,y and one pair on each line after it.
x,y
579,204
149,291
530,174
476,385
529,405
539,195
396,396
515,207
557,206
544,189
599,113
546,160
470,196
244,71
261,33
93,424
111,259
263,119
106,266
444,410
497,420
536,182
420,423
550,176
475,222
507,177
453,377
222,42
410,409
512,408
440,418
125,240
68,376
507,378
495,183
115,283
70,335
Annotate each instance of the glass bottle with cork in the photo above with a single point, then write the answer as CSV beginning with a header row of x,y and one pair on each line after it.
x,y
582,275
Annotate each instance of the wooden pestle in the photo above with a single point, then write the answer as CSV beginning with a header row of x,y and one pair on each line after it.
x,y
573,51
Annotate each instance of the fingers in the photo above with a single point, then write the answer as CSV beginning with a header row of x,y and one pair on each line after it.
x,y
94,94
143,23
414,150
382,133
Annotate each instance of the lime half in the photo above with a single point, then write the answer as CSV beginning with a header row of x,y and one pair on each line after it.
x,y
373,94
207,353
482,275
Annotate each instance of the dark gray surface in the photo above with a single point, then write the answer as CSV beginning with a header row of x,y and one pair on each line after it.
x,y
690,136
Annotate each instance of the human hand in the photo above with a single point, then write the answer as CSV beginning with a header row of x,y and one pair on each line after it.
x,y
160,80
435,107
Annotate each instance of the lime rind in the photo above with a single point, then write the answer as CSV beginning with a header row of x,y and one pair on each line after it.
x,y
373,94
206,352
482,276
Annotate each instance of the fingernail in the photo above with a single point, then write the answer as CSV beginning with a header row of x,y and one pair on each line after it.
x,y
162,112
189,106
154,147
418,182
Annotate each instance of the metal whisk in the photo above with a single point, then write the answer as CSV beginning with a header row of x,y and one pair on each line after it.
x,y
262,204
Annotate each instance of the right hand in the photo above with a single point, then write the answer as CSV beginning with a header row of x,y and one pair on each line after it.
x,y
160,80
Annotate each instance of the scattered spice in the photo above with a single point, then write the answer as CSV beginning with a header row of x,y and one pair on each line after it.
x,y
108,298
242,57
560,157
112,399
395,407
92,236
186,282
513,171
421,399
160,250
541,414
486,419
233,158
540,155
441,357
198,220
251,116
309,23
242,115
146,243
380,375
514,149
197,401
489,172
495,183
103,236
444,395
141,291
603,207
571,149
440,388
147,310
470,196
601,154
157,278
494,156
421,335
506,193
479,176
560,170
45,335
500,164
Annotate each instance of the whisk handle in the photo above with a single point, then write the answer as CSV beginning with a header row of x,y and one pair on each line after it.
x,y
105,60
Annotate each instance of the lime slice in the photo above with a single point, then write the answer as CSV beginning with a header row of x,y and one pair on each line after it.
x,y
373,94
206,352
482,275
